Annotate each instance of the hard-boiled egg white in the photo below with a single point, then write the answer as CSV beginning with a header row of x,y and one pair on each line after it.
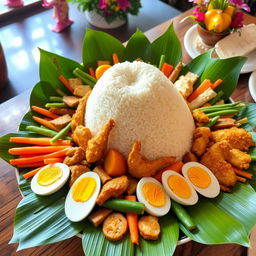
x,y
151,192
50,179
202,179
82,196
178,188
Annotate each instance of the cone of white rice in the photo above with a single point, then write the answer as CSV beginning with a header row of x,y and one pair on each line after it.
x,y
145,106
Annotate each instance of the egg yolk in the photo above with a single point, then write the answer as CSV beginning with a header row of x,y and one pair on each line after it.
x,y
49,176
83,189
199,177
154,194
179,186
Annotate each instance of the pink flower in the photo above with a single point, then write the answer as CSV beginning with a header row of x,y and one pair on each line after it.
x,y
199,16
102,4
238,20
239,4
123,4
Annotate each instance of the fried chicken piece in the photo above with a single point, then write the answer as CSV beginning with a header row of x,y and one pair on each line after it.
x,y
71,101
149,227
74,156
97,145
214,159
132,186
139,166
200,116
200,140
189,157
81,136
238,138
114,187
76,171
115,226
78,117
62,121
62,111
238,158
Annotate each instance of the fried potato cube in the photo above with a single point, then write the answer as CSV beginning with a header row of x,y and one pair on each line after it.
x,y
61,122
62,111
149,227
115,226
71,101
201,139
114,187
81,90
81,136
76,171
200,116
74,81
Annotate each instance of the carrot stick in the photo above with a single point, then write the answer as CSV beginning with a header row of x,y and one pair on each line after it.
x,y
115,58
54,160
224,188
92,72
167,69
243,173
38,164
44,112
35,159
132,219
241,179
35,150
174,167
40,141
29,155
199,90
45,123
66,83
30,174
217,83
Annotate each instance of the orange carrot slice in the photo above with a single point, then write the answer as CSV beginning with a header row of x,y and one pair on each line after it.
x,y
115,58
66,83
44,112
54,160
32,173
243,173
217,83
199,90
92,72
167,69
40,141
45,123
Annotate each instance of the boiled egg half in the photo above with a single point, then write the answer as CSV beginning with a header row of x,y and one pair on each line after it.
x,y
178,188
82,196
201,178
50,179
151,192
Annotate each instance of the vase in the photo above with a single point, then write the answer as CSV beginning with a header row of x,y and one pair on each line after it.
x,y
99,21
210,37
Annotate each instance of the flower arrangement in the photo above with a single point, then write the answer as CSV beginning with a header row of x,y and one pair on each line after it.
x,y
219,15
110,9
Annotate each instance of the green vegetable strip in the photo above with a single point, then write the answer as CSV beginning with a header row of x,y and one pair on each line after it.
x,y
183,216
56,99
56,105
62,133
44,131
217,98
60,92
253,157
223,112
85,77
161,62
221,107
123,205
212,122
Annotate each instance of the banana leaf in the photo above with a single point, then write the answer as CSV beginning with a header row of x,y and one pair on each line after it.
x,y
99,45
214,226
95,243
167,242
169,45
138,46
52,66
42,220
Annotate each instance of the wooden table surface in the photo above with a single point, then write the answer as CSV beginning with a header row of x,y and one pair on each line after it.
x,y
11,113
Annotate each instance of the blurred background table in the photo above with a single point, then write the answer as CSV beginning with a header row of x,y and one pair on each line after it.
x,y
11,113
22,35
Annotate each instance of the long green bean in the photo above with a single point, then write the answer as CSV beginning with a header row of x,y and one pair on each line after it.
x,y
56,99
223,112
56,105
60,92
86,78
212,122
217,98
161,62
62,133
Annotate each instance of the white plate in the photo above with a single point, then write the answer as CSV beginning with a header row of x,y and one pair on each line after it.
x,y
190,42
252,85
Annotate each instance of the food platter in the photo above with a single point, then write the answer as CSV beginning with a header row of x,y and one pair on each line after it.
x,y
252,85
190,39
33,208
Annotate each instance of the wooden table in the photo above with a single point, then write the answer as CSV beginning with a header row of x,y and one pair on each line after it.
x,y
10,114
